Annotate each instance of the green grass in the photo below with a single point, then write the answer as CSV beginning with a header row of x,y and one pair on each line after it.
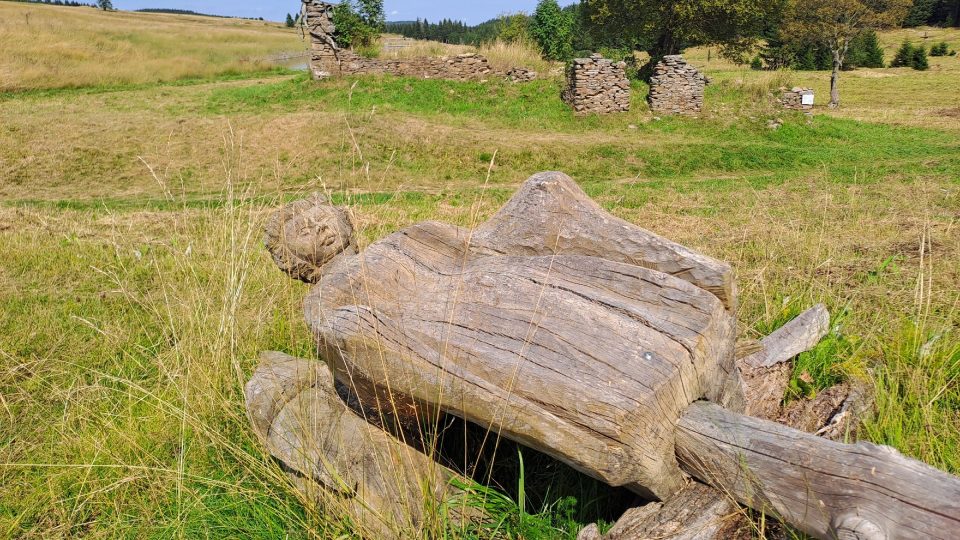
x,y
135,302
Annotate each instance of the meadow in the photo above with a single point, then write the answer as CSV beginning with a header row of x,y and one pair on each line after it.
x,y
70,47
136,293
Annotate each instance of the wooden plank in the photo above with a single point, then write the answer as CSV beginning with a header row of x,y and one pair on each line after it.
x,y
826,489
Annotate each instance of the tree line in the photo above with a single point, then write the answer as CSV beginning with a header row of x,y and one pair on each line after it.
x,y
768,34
68,3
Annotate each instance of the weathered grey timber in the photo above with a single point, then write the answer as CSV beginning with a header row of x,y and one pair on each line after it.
x,y
701,512
382,483
575,333
511,326
827,489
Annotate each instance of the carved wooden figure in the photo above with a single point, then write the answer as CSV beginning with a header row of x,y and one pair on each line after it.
x,y
583,336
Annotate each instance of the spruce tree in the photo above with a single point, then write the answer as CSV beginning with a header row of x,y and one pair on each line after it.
x,y
919,59
904,56
290,21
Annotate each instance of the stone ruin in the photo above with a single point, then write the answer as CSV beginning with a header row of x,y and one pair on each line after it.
x,y
324,52
519,74
597,85
676,87
797,99
327,59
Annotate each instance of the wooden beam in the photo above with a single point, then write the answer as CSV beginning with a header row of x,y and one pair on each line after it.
x,y
826,489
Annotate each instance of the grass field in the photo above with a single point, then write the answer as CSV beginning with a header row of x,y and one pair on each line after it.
x,y
136,295
58,47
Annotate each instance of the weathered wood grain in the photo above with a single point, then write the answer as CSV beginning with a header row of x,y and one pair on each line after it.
x,y
388,487
826,489
701,512
555,324
550,214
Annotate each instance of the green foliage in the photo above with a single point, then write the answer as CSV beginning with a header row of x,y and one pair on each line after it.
x,y
756,64
106,5
552,29
910,56
290,22
865,51
353,29
513,28
933,13
372,14
918,59
904,56
940,49
667,28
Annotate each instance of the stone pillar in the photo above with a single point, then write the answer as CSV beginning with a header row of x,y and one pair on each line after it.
x,y
324,52
676,87
597,85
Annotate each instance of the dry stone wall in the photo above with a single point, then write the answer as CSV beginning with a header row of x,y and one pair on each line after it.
x,y
793,99
676,87
327,59
462,67
597,85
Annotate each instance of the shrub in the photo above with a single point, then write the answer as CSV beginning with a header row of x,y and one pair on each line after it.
x,y
355,28
756,63
904,56
552,28
941,49
919,60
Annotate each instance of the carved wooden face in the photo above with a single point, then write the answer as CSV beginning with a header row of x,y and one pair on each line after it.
x,y
318,234
307,234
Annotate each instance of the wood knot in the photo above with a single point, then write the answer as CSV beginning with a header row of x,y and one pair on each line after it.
x,y
854,527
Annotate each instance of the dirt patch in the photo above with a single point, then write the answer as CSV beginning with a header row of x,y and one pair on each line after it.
x,y
952,113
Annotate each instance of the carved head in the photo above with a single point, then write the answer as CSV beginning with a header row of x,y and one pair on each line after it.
x,y
305,235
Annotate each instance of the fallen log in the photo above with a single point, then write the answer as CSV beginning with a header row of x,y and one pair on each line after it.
x,y
824,488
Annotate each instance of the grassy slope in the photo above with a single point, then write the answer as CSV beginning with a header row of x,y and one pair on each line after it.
x,y
136,295
54,47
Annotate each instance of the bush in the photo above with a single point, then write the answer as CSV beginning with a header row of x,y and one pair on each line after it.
x,y
756,63
941,49
353,29
904,56
920,59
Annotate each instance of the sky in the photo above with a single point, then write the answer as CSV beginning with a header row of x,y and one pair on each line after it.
x,y
472,12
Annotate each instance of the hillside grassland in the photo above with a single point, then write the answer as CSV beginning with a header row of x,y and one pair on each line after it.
x,y
136,294
57,47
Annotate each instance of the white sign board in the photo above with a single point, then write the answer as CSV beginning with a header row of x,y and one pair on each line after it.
x,y
806,99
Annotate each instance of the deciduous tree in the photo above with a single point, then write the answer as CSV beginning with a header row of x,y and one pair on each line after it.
x,y
552,28
836,23
663,27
